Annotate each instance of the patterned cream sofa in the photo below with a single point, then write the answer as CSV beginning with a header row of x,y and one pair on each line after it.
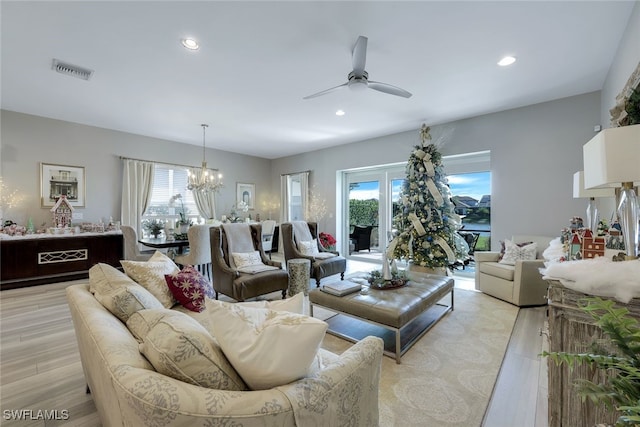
x,y
128,391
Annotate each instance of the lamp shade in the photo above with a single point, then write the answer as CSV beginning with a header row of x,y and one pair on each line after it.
x,y
579,192
612,157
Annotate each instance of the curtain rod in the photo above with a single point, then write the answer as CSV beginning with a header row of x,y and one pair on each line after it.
x,y
295,173
163,163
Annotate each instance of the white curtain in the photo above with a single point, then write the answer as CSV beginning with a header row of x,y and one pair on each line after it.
x,y
284,198
205,201
287,196
304,193
137,183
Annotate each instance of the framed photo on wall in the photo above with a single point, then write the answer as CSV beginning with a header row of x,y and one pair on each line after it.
x,y
246,193
56,180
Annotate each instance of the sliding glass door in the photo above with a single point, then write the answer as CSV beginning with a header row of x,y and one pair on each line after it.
x,y
370,199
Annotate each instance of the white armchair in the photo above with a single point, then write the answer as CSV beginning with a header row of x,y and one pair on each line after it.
x,y
520,284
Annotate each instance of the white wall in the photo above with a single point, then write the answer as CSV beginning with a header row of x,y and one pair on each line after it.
x,y
28,140
534,152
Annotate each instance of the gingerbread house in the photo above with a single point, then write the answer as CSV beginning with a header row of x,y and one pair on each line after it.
x,y
62,212
592,247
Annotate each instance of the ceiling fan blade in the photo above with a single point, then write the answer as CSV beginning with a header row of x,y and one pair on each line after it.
x,y
324,92
359,56
390,89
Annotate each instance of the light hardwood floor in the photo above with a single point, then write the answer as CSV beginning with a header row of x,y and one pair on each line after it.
x,y
40,366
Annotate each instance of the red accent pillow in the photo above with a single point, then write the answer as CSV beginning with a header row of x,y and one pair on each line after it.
x,y
189,288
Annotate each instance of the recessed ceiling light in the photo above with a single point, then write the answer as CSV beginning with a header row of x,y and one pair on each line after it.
x,y
190,44
507,60
340,113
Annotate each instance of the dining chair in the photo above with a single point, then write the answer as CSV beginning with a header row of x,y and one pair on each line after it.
x,y
268,228
131,249
199,254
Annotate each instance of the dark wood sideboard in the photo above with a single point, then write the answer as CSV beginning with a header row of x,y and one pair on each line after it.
x,y
39,260
572,330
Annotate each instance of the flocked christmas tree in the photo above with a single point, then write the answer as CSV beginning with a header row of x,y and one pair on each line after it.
x,y
427,222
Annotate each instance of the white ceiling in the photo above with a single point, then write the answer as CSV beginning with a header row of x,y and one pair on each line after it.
x,y
258,59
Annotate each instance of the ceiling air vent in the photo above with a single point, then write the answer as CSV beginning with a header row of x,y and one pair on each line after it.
x,y
71,70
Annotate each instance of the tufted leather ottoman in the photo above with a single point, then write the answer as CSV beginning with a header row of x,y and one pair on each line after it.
x,y
393,309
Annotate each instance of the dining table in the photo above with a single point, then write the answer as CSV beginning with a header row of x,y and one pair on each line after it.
x,y
164,243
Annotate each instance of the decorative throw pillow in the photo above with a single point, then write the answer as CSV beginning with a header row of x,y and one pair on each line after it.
x,y
188,287
179,347
150,274
514,252
295,304
127,299
308,247
104,278
142,321
246,259
268,348
503,248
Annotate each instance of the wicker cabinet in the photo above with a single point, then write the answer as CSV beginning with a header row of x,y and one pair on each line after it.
x,y
34,261
572,330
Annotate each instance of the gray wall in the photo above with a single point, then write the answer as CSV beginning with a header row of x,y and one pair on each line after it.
x,y
28,140
625,62
534,152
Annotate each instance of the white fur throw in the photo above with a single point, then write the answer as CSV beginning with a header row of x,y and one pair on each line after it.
x,y
599,276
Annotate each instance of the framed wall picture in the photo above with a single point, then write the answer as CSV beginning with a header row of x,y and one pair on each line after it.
x,y
246,193
56,180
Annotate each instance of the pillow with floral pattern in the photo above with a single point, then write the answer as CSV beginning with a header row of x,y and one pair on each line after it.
x,y
189,288
308,247
150,274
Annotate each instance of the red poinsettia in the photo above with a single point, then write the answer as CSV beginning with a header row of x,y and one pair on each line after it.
x,y
327,241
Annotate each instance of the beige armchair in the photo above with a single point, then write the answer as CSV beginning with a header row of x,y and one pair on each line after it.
x,y
520,284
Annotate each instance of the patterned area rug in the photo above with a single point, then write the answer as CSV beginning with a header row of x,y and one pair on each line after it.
x,y
447,377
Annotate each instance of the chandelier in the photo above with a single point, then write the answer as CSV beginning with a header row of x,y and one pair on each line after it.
x,y
205,180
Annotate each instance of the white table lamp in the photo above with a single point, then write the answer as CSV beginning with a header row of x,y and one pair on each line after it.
x,y
579,192
612,159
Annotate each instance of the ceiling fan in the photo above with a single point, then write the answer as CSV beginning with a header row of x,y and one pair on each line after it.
x,y
359,79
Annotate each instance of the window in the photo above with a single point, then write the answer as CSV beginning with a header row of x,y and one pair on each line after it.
x,y
295,194
469,179
168,181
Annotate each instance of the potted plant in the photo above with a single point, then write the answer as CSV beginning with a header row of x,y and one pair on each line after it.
x,y
183,222
153,227
327,241
621,390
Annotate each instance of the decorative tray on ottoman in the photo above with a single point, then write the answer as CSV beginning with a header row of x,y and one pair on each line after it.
x,y
377,281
